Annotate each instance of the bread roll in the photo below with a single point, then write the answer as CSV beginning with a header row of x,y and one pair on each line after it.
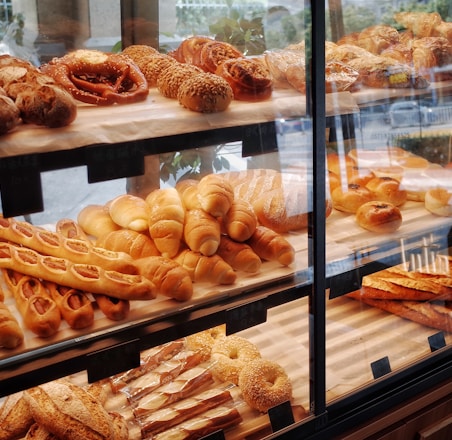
x,y
130,212
134,243
170,80
205,93
271,246
190,46
11,335
201,268
96,221
71,413
166,220
387,189
188,190
350,199
376,216
115,309
240,256
215,194
212,54
15,417
74,305
240,221
439,201
201,232
170,278
9,114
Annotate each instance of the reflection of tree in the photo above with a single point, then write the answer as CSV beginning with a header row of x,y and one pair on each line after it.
x,y
356,18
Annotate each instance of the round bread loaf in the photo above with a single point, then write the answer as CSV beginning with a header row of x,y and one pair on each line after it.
x,y
439,201
205,93
376,216
387,189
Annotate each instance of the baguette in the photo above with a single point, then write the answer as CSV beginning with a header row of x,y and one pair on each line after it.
x,y
71,413
271,246
240,256
113,308
202,268
96,221
74,305
15,417
11,335
184,385
240,221
39,311
170,278
188,190
136,244
433,314
215,194
54,244
185,409
88,278
201,232
166,221
130,212
215,419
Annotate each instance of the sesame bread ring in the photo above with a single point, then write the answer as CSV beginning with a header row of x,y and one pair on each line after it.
x,y
264,384
205,93
229,355
202,342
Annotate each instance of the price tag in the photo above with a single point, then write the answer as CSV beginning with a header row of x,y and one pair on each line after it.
x,y
259,139
281,416
245,316
113,360
20,186
381,367
437,341
108,162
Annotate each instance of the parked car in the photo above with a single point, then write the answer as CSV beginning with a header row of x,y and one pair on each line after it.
x,y
409,113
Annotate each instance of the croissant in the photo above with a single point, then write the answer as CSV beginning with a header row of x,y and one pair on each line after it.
x,y
271,246
96,221
136,244
377,38
421,24
201,232
170,278
206,269
188,190
240,221
166,220
215,194
11,335
240,256
129,211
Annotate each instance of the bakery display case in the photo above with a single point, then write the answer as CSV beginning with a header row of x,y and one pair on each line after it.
x,y
198,196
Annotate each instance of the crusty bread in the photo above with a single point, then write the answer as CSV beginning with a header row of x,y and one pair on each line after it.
x,y
15,417
71,413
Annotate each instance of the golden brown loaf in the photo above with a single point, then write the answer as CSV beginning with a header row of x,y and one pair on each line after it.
x,y
377,216
170,80
206,269
38,432
9,113
387,189
129,211
134,243
15,417
170,278
349,199
421,24
377,38
166,220
71,413
215,194
271,246
11,335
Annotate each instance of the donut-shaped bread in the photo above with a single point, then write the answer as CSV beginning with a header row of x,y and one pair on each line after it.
x,y
376,216
186,51
249,79
205,93
264,384
439,201
387,189
229,355
211,54
350,199
202,342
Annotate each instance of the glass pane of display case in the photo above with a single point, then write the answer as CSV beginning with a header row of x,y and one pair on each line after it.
x,y
388,236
